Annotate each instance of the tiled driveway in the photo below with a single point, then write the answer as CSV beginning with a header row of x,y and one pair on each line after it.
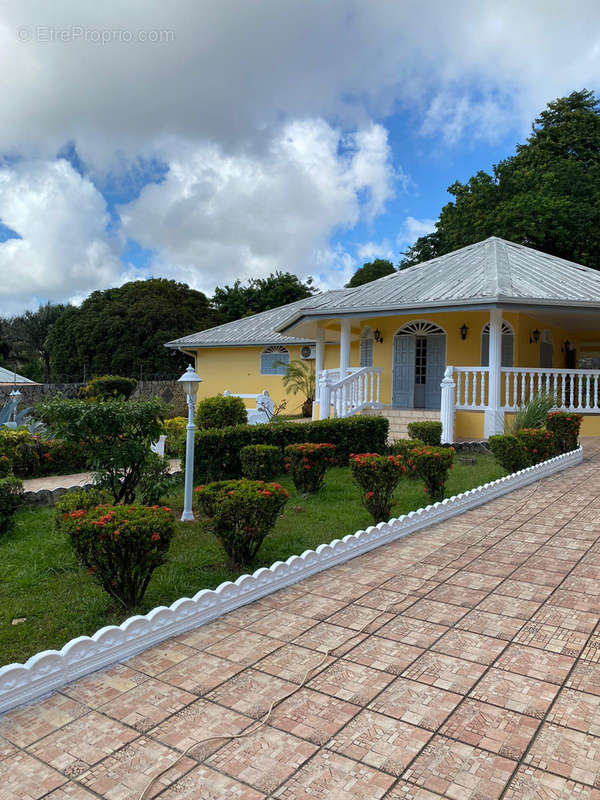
x,y
482,682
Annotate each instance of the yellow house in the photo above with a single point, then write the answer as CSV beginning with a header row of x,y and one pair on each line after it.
x,y
466,338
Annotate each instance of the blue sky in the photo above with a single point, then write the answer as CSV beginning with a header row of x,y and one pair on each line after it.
x,y
241,137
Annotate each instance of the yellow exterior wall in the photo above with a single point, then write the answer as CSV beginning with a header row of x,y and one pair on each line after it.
x,y
468,425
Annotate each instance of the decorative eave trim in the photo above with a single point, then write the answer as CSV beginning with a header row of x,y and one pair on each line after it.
x,y
51,669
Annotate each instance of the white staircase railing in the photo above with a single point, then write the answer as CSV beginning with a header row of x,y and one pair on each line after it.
x,y
358,390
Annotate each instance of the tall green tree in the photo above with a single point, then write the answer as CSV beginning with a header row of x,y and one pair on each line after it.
x,y
370,272
122,331
31,333
259,294
546,196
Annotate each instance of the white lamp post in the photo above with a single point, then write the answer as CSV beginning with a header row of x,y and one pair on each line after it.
x,y
190,381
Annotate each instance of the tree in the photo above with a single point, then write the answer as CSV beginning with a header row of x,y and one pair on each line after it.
x,y
32,330
546,196
259,294
370,272
300,379
122,331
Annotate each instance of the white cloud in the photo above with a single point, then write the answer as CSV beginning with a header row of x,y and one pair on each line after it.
x,y
369,251
413,228
218,217
65,248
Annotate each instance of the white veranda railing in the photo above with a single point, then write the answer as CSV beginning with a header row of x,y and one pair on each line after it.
x,y
349,395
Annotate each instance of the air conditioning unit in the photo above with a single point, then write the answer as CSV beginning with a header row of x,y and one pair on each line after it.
x,y
307,352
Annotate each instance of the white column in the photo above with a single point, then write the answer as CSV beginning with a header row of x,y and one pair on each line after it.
x,y
494,416
344,347
447,407
319,365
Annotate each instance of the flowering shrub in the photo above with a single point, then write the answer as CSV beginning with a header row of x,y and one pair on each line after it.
x,y
242,512
538,443
566,427
32,455
431,465
76,499
428,431
402,447
307,464
377,477
509,451
121,545
260,462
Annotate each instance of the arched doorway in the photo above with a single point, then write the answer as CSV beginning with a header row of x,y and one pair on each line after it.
x,y
508,345
546,350
419,364
366,347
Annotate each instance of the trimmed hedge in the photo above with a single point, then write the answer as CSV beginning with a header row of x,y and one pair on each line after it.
x,y
31,456
260,462
175,432
565,425
427,431
108,387
220,412
509,451
538,443
217,452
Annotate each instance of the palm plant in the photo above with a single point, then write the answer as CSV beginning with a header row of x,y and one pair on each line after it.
x,y
299,378
532,414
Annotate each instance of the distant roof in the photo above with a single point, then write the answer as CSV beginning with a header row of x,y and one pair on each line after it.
x,y
491,271
7,376
258,329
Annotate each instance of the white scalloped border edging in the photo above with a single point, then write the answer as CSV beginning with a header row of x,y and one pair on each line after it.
x,y
51,669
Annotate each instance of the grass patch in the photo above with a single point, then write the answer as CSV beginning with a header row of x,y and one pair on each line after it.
x,y
41,581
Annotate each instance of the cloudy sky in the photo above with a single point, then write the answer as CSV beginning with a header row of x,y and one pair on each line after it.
x,y
209,140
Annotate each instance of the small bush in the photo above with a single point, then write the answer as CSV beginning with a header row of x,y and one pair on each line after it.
x,y
377,477
108,387
509,451
260,462
122,546
77,499
565,426
428,431
175,431
220,412
156,481
11,496
431,465
532,414
5,466
402,447
307,464
538,443
242,512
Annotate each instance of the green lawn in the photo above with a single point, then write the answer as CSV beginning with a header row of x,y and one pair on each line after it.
x,y
41,581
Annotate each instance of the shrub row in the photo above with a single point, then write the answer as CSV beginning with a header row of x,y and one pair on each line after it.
x,y
32,456
428,431
217,452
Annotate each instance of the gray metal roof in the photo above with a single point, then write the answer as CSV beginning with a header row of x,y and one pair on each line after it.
x,y
258,329
491,271
7,376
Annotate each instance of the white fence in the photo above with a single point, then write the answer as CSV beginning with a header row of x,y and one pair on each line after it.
x,y
358,390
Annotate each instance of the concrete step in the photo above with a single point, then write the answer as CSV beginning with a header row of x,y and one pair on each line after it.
x,y
400,418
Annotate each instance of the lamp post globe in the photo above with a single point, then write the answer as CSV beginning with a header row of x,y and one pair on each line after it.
x,y
190,382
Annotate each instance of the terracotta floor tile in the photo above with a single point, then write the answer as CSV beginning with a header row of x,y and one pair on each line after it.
x,y
6,748
515,692
416,703
384,600
293,663
98,688
568,618
491,728
246,615
69,791
82,743
281,624
314,606
535,663
460,771
410,584
146,705
591,652
199,721
416,632
251,692
360,618
534,784
339,588
244,647
524,590
208,634
200,673
575,600
577,710
330,776
490,624
457,595
470,646
352,682
384,654
474,580
125,774
380,742
26,725
403,790
578,583
433,611
204,783
585,677
540,576
445,672
327,637
24,778
509,606
488,567
572,754
160,658
312,715
264,760
552,638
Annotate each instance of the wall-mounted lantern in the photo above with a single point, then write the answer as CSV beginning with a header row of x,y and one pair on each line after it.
x,y
377,336
463,331
534,336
